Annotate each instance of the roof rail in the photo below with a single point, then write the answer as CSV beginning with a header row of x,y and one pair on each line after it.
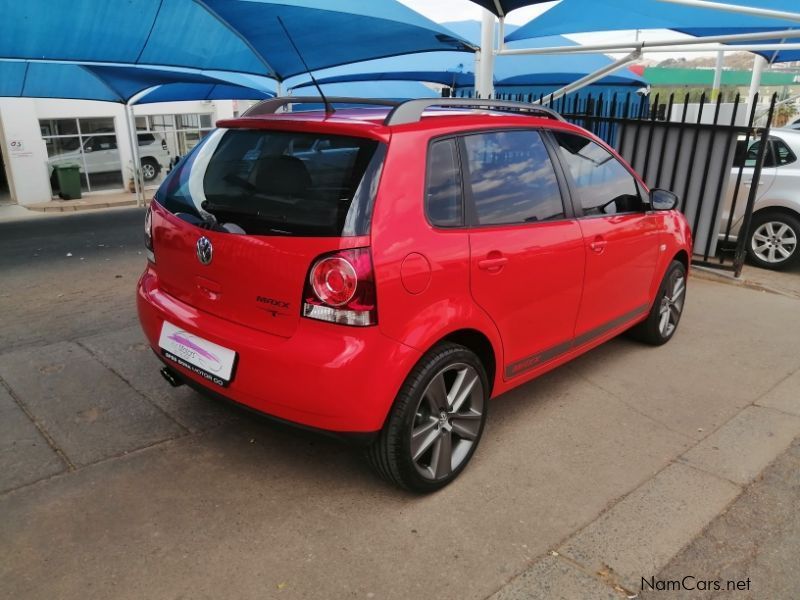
x,y
411,110
271,106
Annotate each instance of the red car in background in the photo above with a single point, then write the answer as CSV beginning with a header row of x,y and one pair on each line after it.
x,y
382,272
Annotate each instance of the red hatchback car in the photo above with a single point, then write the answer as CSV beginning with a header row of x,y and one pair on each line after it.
x,y
381,272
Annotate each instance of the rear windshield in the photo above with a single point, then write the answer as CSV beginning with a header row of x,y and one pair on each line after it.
x,y
277,183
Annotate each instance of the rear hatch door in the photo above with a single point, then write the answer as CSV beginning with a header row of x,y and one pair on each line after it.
x,y
239,223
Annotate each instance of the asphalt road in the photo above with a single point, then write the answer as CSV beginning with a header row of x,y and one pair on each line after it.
x,y
68,276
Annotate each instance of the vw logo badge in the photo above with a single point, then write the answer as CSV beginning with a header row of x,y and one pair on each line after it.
x,y
205,251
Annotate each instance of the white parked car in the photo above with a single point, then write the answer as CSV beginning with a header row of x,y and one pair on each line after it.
x,y
775,229
102,156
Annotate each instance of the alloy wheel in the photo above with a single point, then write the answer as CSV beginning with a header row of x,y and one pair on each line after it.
x,y
672,303
447,421
774,242
148,171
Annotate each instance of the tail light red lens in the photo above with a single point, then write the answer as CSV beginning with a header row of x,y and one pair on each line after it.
x,y
341,289
334,280
148,234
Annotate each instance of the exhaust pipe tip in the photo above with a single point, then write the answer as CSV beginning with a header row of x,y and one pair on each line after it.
x,y
171,376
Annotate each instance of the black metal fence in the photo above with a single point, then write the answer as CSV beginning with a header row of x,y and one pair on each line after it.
x,y
704,152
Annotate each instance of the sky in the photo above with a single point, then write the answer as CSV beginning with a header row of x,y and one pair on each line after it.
x,y
460,10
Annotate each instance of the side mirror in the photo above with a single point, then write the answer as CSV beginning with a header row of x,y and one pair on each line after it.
x,y
663,199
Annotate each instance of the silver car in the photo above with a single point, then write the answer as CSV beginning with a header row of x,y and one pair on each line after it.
x,y
775,228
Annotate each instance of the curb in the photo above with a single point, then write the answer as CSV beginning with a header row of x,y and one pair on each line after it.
x,y
709,274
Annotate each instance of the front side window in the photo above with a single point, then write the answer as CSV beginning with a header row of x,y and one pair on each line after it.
x,y
604,186
443,199
512,179
278,182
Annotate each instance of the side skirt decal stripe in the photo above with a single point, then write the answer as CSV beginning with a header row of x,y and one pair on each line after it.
x,y
534,360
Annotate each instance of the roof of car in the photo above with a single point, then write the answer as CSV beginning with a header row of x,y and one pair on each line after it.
x,y
371,120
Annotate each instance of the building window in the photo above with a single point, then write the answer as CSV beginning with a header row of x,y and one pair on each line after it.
x,y
163,138
89,143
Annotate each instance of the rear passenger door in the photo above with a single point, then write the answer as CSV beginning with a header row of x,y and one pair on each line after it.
x,y
526,249
621,236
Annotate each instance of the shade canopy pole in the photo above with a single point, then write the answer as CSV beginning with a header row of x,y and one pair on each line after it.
x,y
592,77
739,9
642,45
717,75
484,74
134,147
759,62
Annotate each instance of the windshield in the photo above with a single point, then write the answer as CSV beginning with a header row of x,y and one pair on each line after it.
x,y
277,183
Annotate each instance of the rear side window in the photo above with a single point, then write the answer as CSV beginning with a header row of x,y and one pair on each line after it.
x,y
603,184
278,183
783,154
511,178
443,198
747,156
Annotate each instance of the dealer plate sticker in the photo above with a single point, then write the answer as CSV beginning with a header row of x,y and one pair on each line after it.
x,y
207,359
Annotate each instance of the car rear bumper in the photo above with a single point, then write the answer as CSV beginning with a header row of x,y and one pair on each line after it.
x,y
327,377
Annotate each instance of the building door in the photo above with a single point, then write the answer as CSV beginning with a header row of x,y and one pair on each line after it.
x,y
5,188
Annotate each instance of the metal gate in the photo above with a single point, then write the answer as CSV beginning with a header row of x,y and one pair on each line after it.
x,y
709,153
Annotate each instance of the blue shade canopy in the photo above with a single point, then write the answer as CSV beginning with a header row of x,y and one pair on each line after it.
x,y
583,16
226,35
175,92
453,69
456,70
117,83
391,90
502,7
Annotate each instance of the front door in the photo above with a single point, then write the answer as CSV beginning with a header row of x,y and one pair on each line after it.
x,y
526,252
621,238
745,160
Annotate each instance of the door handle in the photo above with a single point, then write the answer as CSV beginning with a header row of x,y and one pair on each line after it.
x,y
493,262
598,246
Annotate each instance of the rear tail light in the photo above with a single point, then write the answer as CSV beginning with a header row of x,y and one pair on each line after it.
x,y
148,235
341,289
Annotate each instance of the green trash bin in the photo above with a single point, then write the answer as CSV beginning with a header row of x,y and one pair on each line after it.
x,y
69,181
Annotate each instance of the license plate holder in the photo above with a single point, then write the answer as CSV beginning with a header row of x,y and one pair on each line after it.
x,y
210,361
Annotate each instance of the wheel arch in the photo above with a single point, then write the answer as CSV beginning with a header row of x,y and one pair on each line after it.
x,y
777,209
682,256
478,343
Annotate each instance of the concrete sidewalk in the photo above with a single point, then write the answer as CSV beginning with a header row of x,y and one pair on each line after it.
x,y
598,474
752,548
89,202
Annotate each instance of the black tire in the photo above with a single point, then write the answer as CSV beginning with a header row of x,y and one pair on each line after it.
x,y
150,169
770,238
391,454
652,330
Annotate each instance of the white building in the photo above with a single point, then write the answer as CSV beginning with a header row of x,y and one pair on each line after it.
x,y
37,134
